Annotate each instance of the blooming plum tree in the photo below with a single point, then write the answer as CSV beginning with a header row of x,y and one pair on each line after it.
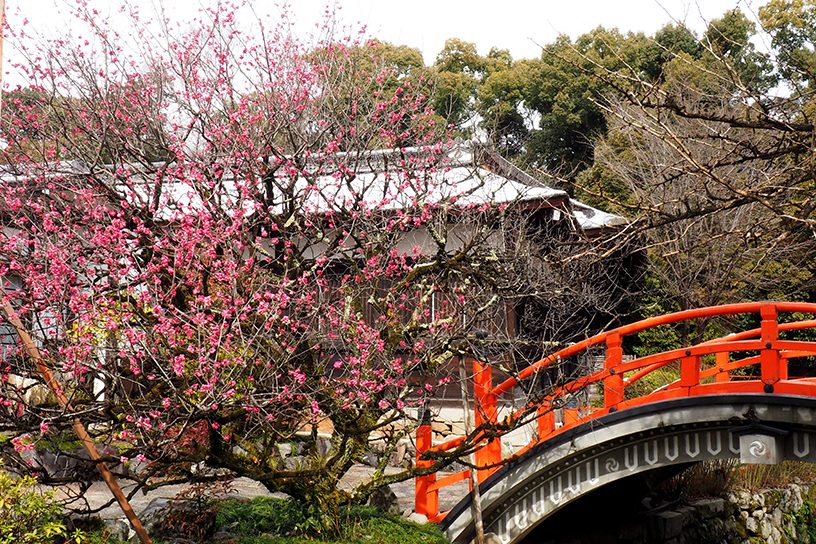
x,y
216,263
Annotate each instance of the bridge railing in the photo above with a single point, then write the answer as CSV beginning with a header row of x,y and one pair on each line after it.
x,y
698,376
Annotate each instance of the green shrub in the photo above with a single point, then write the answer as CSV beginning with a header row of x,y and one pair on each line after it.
x,y
261,515
102,536
193,512
364,524
27,516
384,529
653,380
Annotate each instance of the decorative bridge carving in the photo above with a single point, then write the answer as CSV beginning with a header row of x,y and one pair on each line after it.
x,y
706,414
566,468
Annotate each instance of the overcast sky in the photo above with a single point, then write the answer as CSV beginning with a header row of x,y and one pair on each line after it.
x,y
517,25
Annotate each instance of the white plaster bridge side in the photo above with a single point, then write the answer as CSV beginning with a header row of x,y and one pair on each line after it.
x,y
755,428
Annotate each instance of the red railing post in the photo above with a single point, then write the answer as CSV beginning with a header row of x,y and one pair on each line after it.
x,y
485,411
426,500
690,370
722,374
613,384
769,358
546,420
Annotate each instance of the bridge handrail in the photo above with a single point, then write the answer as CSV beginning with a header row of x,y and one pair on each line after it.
x,y
651,322
773,357
783,327
664,358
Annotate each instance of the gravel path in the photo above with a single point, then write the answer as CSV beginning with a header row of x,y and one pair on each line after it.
x,y
248,489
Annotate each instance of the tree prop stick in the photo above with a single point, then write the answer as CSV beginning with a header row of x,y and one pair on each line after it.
x,y
474,478
79,428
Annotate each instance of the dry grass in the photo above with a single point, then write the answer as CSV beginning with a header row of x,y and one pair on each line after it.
x,y
714,478
706,479
755,477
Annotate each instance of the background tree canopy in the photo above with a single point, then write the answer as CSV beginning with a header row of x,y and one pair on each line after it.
x,y
704,141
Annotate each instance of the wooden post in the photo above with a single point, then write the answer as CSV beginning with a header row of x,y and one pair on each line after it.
x,y
769,358
79,428
613,384
485,411
722,374
571,415
426,502
474,479
546,420
2,31
690,370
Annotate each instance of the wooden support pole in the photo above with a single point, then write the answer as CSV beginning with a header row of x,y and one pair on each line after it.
x,y
2,32
474,479
79,428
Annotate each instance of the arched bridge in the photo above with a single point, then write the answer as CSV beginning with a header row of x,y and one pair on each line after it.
x,y
733,399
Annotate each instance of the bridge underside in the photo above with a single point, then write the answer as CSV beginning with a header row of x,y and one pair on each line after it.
x,y
641,445
595,516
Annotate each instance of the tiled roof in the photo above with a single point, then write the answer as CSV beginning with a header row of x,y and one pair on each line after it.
x,y
465,174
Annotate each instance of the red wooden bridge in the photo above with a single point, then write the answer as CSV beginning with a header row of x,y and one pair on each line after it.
x,y
734,398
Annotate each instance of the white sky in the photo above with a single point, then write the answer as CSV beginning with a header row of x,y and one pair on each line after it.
x,y
517,25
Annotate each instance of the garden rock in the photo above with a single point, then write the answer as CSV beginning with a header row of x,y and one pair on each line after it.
x,y
118,529
418,518
370,458
139,469
709,508
490,538
223,535
398,455
323,446
153,517
294,463
386,500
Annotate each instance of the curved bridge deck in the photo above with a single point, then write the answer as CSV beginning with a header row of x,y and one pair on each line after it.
x,y
715,410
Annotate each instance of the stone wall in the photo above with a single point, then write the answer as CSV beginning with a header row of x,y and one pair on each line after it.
x,y
774,515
